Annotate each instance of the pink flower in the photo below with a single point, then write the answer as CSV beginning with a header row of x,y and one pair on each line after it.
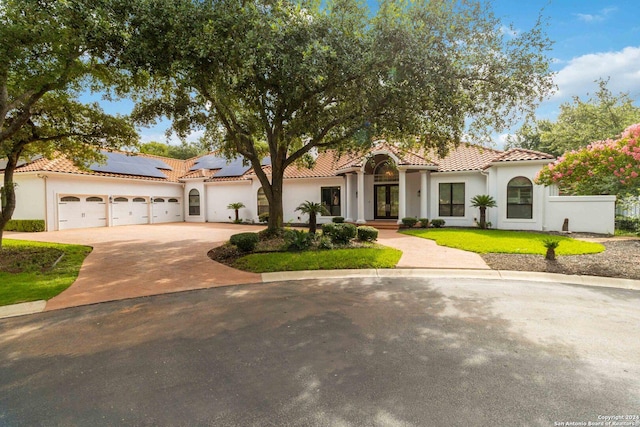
x,y
634,174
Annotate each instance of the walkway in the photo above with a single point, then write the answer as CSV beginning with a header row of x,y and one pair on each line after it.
x,y
142,260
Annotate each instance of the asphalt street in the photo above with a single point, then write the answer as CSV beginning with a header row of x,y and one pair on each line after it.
x,y
340,352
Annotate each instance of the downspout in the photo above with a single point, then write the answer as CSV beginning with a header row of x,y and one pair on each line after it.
x,y
486,189
46,202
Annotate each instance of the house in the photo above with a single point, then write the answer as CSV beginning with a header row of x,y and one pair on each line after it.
x,y
385,184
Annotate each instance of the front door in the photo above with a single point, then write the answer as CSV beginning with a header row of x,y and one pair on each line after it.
x,y
386,201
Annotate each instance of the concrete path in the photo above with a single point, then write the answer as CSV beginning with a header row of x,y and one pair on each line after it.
x,y
141,260
424,253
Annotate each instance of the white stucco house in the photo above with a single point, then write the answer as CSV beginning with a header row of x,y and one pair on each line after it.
x,y
386,184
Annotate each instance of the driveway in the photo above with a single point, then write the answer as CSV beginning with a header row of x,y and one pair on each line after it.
x,y
357,352
141,260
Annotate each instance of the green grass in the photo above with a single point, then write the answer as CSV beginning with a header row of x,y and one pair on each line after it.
x,y
376,257
503,241
36,279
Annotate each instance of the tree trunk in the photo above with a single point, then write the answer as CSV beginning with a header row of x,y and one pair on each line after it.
x,y
551,254
483,217
237,217
8,193
276,212
312,223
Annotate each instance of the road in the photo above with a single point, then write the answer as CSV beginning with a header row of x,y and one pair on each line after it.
x,y
341,352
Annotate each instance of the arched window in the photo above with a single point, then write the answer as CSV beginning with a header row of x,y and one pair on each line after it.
x,y
385,172
70,199
194,202
120,199
263,203
520,198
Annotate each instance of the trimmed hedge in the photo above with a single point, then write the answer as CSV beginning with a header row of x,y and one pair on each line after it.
x,y
367,233
339,233
409,221
337,219
28,225
438,223
424,222
246,242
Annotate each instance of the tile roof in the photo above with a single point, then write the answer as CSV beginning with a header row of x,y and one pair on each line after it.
x,y
466,157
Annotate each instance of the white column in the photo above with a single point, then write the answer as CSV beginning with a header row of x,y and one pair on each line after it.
x,y
423,194
402,195
348,189
360,196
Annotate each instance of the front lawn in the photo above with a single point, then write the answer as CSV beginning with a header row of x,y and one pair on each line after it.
x,y
504,241
28,273
373,257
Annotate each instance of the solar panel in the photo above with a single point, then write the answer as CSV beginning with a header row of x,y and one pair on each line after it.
x,y
209,162
235,168
156,163
126,165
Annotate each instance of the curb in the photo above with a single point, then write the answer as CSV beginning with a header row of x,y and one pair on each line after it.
x,y
22,309
598,281
526,276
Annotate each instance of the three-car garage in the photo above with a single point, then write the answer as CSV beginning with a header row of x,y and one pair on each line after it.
x,y
94,210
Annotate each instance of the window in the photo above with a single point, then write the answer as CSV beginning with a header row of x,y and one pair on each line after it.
x,y
451,199
120,199
158,200
94,199
70,199
520,198
330,199
173,200
385,172
139,199
263,203
194,202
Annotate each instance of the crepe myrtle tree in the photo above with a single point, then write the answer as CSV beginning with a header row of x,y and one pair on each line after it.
x,y
279,78
604,167
50,52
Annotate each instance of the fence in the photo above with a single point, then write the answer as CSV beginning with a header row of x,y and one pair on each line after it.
x,y
628,207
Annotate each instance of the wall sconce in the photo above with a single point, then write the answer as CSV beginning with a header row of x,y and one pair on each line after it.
x,y
110,199
356,194
418,193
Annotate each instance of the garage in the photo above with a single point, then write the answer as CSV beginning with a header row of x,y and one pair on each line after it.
x,y
166,209
126,210
82,211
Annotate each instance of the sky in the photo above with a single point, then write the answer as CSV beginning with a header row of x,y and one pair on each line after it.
x,y
593,39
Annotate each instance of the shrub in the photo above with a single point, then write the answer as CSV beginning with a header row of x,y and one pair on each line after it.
x,y
627,223
340,233
337,219
28,225
297,240
263,217
551,245
325,243
409,221
438,223
246,242
424,222
367,234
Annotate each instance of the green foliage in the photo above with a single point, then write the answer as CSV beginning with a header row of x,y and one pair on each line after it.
x,y
38,281
337,219
185,150
606,167
312,209
263,217
438,223
28,225
367,234
409,221
503,241
236,207
51,52
627,223
332,75
341,233
424,222
325,243
378,257
551,245
483,201
246,242
580,123
297,240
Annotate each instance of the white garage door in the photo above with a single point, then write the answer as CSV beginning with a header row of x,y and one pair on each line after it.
x,y
79,211
166,209
129,210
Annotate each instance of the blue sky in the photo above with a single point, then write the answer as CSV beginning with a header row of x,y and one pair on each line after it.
x,y
593,39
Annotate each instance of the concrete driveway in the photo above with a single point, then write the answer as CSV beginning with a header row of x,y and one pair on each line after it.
x,y
357,352
141,260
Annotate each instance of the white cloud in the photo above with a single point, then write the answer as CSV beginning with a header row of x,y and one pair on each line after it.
x,y
509,31
577,78
599,17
